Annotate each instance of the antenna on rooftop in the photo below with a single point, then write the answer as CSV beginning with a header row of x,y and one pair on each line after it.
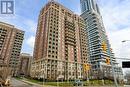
x,y
52,0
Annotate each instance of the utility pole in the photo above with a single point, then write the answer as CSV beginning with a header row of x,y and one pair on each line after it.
x,y
113,70
109,60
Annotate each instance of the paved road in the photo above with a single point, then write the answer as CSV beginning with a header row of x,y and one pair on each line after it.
x,y
17,83
126,85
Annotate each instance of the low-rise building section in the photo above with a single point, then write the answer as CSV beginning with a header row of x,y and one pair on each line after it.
x,y
25,64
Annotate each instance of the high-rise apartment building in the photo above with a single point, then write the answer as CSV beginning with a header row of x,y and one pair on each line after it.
x,y
98,45
60,45
11,40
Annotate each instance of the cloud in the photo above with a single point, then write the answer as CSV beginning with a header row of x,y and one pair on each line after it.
x,y
115,14
30,41
32,25
116,17
27,25
23,23
120,49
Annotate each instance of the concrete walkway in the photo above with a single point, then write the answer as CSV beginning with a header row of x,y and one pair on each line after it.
x,y
22,83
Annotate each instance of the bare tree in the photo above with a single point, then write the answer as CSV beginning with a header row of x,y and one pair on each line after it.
x,y
127,76
4,74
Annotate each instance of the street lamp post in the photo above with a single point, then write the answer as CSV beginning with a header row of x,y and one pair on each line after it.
x,y
113,69
125,41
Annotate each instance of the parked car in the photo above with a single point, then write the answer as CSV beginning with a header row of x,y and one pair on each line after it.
x,y
77,82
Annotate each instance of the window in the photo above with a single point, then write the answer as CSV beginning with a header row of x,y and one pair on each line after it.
x,y
50,38
49,55
49,51
49,46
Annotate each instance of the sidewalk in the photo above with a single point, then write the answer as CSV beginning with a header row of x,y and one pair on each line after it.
x,y
36,84
31,83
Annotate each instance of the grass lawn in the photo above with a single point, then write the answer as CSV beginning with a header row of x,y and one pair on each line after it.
x,y
59,83
91,82
18,78
51,83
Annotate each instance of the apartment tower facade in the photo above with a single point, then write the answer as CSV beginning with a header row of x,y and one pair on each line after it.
x,y
60,45
11,40
98,45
